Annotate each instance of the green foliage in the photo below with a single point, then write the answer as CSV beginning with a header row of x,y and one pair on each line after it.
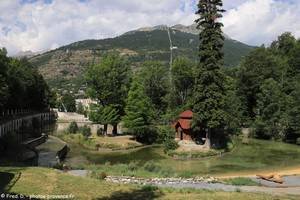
x,y
154,77
170,145
139,114
149,45
80,109
294,112
284,44
151,166
73,128
165,133
233,107
21,86
182,80
185,155
260,65
209,90
68,103
271,120
85,131
268,86
108,82
240,181
104,115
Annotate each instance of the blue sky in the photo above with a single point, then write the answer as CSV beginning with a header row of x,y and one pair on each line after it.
x,y
39,25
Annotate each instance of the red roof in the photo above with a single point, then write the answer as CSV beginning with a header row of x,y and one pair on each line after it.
x,y
185,123
188,114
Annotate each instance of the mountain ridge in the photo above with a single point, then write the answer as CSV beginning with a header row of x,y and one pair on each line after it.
x,y
65,65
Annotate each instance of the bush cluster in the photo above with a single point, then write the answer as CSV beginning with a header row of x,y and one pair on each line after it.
x,y
73,128
85,130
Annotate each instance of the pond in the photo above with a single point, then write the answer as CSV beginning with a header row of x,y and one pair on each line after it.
x,y
255,157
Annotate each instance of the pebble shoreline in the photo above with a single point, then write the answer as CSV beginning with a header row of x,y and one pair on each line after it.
x,y
160,181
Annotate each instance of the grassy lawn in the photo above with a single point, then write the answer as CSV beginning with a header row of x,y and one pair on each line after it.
x,y
102,143
241,181
40,181
257,156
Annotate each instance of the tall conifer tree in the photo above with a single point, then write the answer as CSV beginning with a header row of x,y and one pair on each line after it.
x,y
209,90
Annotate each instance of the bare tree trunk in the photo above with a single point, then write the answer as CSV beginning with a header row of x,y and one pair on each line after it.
x,y
207,141
105,129
115,129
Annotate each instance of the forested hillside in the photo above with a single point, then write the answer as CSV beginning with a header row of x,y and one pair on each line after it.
x,y
63,67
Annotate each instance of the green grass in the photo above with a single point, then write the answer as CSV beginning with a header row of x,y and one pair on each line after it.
x,y
41,181
241,181
102,143
257,156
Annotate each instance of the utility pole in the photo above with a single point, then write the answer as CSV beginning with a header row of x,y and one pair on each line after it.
x,y
171,54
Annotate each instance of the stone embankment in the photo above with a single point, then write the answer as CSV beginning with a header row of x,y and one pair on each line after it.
x,y
160,181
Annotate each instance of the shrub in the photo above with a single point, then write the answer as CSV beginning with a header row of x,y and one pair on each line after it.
x,y
80,109
186,174
149,188
100,176
73,128
230,145
298,141
146,135
58,166
100,132
165,133
169,145
150,166
85,131
133,166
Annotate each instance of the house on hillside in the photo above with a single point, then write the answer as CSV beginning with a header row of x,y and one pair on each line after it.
x,y
86,103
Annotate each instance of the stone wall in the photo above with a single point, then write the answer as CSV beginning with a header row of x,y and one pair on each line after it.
x,y
16,124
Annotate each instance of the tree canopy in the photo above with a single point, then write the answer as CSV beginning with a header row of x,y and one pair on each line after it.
x,y
108,82
21,85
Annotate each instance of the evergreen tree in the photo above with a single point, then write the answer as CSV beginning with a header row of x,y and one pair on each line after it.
x,y
139,114
209,89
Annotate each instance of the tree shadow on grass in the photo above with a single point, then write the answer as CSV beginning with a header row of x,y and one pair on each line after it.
x,y
5,179
146,193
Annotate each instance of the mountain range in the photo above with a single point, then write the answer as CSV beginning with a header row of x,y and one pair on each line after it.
x,y
63,67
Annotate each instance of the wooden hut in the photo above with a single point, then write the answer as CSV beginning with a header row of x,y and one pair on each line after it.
x,y
183,126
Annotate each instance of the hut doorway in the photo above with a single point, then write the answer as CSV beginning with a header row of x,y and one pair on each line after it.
x,y
181,135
